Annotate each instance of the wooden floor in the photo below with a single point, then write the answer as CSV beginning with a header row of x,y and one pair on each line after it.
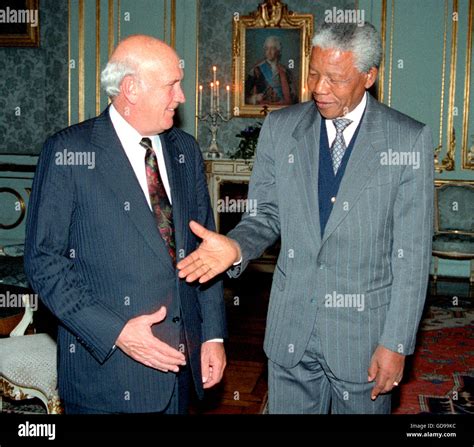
x,y
244,387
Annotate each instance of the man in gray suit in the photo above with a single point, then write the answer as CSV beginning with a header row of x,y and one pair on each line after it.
x,y
347,183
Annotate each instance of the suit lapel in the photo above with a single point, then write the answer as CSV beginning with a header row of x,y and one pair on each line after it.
x,y
175,168
362,164
307,135
117,172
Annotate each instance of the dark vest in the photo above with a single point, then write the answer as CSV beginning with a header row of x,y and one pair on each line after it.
x,y
328,183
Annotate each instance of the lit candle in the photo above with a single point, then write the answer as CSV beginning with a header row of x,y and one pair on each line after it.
x,y
200,100
228,99
214,74
217,95
212,98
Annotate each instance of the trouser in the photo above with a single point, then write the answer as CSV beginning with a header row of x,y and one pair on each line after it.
x,y
310,387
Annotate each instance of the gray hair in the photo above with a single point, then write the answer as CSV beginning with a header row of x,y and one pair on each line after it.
x,y
275,42
112,76
363,41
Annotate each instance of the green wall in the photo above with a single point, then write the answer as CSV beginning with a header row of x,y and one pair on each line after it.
x,y
415,42
152,17
412,83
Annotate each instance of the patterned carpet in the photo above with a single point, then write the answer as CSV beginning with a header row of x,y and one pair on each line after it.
x,y
440,376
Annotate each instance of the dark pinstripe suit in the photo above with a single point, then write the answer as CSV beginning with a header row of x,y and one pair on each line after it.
x,y
94,255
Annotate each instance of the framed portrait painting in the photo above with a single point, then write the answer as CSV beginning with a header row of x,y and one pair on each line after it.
x,y
271,50
19,23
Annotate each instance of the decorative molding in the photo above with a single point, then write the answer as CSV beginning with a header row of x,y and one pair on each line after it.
x,y
390,63
443,76
111,35
165,18
383,30
439,182
196,127
97,56
119,20
467,153
173,24
21,201
448,163
81,61
69,62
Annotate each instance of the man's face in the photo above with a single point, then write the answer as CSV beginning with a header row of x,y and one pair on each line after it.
x,y
271,52
160,96
334,81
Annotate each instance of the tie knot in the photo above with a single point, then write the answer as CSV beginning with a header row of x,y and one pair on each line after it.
x,y
146,143
341,124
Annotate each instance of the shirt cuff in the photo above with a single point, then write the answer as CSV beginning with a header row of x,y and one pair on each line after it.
x,y
215,340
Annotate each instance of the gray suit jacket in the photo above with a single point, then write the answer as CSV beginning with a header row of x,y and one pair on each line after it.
x,y
364,282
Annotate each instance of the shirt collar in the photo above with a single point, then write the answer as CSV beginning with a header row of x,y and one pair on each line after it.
x,y
127,134
356,115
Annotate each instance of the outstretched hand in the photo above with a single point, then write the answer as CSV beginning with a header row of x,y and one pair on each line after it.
x,y
214,256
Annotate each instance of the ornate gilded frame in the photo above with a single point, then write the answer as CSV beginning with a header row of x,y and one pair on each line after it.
x,y
270,14
30,38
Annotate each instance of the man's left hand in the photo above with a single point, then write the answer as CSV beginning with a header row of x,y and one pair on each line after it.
x,y
386,367
213,363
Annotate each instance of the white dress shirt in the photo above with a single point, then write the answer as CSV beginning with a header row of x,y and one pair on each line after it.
x,y
130,139
355,116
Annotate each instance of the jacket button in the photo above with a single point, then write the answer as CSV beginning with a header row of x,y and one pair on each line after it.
x,y
176,320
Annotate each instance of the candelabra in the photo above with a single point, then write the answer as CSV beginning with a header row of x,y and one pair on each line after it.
x,y
215,115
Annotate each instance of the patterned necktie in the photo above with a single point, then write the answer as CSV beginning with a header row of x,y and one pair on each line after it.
x,y
339,145
159,199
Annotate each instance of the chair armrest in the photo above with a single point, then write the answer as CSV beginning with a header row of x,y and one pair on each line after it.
x,y
27,319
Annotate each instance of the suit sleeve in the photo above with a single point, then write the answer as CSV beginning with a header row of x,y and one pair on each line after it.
x,y
411,250
49,258
211,295
259,230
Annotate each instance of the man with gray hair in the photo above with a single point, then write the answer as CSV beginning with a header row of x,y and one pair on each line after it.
x,y
102,244
350,226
